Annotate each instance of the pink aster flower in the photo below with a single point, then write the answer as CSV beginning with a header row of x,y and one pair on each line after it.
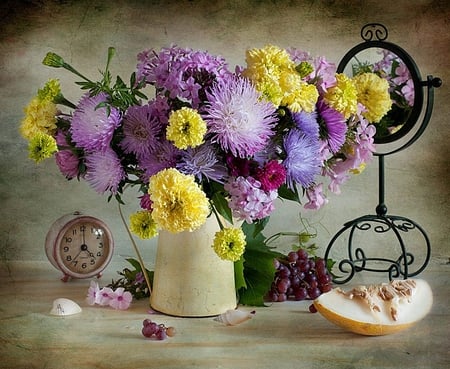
x,y
238,119
92,128
316,198
248,201
68,163
120,299
104,171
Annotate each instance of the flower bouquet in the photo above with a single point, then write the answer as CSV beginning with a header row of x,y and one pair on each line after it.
x,y
212,141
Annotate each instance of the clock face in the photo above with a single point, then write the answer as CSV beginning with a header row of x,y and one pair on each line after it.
x,y
84,247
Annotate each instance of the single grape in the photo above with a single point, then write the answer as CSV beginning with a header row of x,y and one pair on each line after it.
x,y
170,331
292,256
300,294
312,308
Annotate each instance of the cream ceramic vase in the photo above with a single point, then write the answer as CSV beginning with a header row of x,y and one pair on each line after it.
x,y
190,280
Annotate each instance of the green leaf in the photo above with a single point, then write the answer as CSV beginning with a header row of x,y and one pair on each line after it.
x,y
259,269
286,193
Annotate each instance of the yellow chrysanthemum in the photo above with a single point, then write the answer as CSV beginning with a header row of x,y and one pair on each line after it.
x,y
50,90
343,96
186,128
373,93
40,116
274,74
143,225
303,98
265,68
41,146
179,204
229,243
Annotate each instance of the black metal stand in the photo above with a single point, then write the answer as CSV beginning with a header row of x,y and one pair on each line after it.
x,y
357,261
403,263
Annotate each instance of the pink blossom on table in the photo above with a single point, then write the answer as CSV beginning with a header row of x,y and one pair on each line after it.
x,y
105,296
145,202
316,197
120,299
93,295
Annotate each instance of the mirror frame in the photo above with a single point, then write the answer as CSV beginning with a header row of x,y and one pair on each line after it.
x,y
379,32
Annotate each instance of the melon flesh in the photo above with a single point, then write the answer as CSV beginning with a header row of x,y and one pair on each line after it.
x,y
377,309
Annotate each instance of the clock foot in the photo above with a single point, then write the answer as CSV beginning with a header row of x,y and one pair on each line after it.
x,y
99,275
65,278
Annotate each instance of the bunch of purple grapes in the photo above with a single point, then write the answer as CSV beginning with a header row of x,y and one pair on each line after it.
x,y
156,331
298,277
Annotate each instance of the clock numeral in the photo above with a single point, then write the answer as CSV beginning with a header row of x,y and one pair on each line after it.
x,y
82,228
100,245
74,232
66,248
68,239
99,254
92,261
69,258
75,262
84,265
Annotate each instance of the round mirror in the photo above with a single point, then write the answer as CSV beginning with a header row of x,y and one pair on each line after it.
x,y
391,62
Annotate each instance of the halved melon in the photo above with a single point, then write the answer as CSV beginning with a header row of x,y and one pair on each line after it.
x,y
377,309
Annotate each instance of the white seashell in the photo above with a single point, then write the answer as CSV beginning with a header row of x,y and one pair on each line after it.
x,y
63,307
234,317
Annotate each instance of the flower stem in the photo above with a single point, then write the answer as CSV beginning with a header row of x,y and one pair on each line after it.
x,y
136,250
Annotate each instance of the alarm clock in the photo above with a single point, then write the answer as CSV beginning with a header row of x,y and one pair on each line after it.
x,y
81,246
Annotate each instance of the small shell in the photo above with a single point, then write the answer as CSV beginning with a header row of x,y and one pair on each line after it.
x,y
63,307
234,317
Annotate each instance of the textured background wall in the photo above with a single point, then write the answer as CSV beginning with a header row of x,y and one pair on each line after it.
x,y
33,196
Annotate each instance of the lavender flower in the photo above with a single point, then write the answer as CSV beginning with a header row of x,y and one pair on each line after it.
x,y
238,119
203,163
142,130
302,161
307,123
165,156
92,128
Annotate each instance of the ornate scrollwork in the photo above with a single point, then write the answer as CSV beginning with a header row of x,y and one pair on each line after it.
x,y
372,31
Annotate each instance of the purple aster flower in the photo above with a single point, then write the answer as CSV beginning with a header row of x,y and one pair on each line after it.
x,y
307,123
104,171
165,156
333,126
248,201
202,162
142,130
238,119
302,161
92,128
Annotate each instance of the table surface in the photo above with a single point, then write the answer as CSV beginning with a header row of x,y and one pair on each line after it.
x,y
283,335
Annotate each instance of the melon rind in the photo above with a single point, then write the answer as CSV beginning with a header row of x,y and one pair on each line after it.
x,y
355,315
